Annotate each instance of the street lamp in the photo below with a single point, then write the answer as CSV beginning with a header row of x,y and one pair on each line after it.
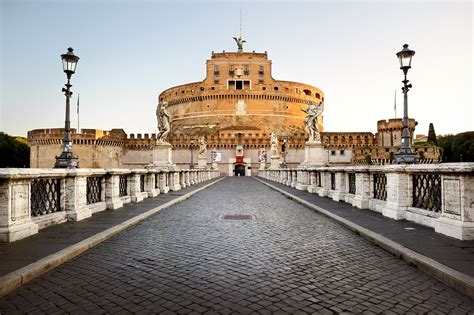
x,y
191,166
405,155
66,159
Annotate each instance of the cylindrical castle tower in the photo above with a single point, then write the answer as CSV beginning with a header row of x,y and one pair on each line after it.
x,y
239,93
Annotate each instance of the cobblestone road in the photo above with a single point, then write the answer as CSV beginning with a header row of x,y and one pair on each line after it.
x,y
190,259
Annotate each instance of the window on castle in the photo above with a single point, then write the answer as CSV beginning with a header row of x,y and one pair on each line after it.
x,y
260,69
239,84
231,70
216,69
260,79
318,96
246,70
216,79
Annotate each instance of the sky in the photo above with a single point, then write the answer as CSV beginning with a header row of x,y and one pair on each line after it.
x,y
130,51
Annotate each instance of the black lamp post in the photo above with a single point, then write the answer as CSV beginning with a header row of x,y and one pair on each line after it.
x,y
66,159
191,166
405,155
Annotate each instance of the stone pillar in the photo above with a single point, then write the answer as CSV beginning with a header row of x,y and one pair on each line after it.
x,y
187,178
262,165
136,194
294,178
457,206
174,181
163,182
399,196
112,189
151,188
340,191
301,183
312,182
76,195
182,179
202,162
323,191
362,195
15,208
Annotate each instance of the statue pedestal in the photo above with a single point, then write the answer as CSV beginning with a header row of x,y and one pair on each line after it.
x,y
262,165
214,166
162,154
162,157
314,155
202,162
274,162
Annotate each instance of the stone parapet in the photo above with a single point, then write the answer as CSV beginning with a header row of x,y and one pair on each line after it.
x,y
32,199
440,196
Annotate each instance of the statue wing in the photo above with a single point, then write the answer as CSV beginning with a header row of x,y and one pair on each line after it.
x,y
235,38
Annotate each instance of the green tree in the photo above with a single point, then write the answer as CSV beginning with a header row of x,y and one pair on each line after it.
x,y
14,152
432,135
457,147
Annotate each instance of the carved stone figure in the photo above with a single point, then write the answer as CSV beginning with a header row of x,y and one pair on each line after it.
x,y
213,155
274,144
164,121
311,121
202,146
262,155
240,43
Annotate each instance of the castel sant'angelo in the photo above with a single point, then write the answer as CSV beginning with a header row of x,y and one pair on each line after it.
x,y
236,108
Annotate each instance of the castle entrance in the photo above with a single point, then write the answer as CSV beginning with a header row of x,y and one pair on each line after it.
x,y
239,170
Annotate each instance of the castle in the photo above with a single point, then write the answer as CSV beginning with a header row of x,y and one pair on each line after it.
x,y
236,107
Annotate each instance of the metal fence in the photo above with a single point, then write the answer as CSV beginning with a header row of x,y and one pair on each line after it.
x,y
142,183
45,196
380,186
333,181
352,183
94,189
427,192
123,186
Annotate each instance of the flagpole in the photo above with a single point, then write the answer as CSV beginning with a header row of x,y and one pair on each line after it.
x,y
78,130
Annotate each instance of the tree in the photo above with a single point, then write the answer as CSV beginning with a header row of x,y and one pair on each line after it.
x,y
432,135
457,147
14,152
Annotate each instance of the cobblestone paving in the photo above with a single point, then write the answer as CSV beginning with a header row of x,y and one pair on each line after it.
x,y
189,259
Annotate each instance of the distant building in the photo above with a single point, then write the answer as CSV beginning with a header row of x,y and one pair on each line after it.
x,y
238,103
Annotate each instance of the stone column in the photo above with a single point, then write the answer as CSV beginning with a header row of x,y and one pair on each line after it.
x,y
362,195
340,191
312,182
76,195
151,188
294,178
187,178
301,183
163,182
135,190
15,208
399,193
174,183
457,205
112,189
323,191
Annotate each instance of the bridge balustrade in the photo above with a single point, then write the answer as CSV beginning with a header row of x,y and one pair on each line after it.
x,y
32,199
440,196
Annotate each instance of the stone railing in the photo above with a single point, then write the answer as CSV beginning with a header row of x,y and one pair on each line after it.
x,y
440,196
32,199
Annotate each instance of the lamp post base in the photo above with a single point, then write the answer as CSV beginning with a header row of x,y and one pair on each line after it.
x,y
66,160
406,158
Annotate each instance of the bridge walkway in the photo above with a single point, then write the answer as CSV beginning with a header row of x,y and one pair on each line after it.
x,y
237,246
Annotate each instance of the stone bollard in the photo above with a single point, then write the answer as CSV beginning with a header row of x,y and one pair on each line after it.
x,y
112,188
339,192
138,185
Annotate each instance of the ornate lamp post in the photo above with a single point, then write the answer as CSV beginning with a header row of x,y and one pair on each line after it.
x,y
66,159
405,155
191,166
